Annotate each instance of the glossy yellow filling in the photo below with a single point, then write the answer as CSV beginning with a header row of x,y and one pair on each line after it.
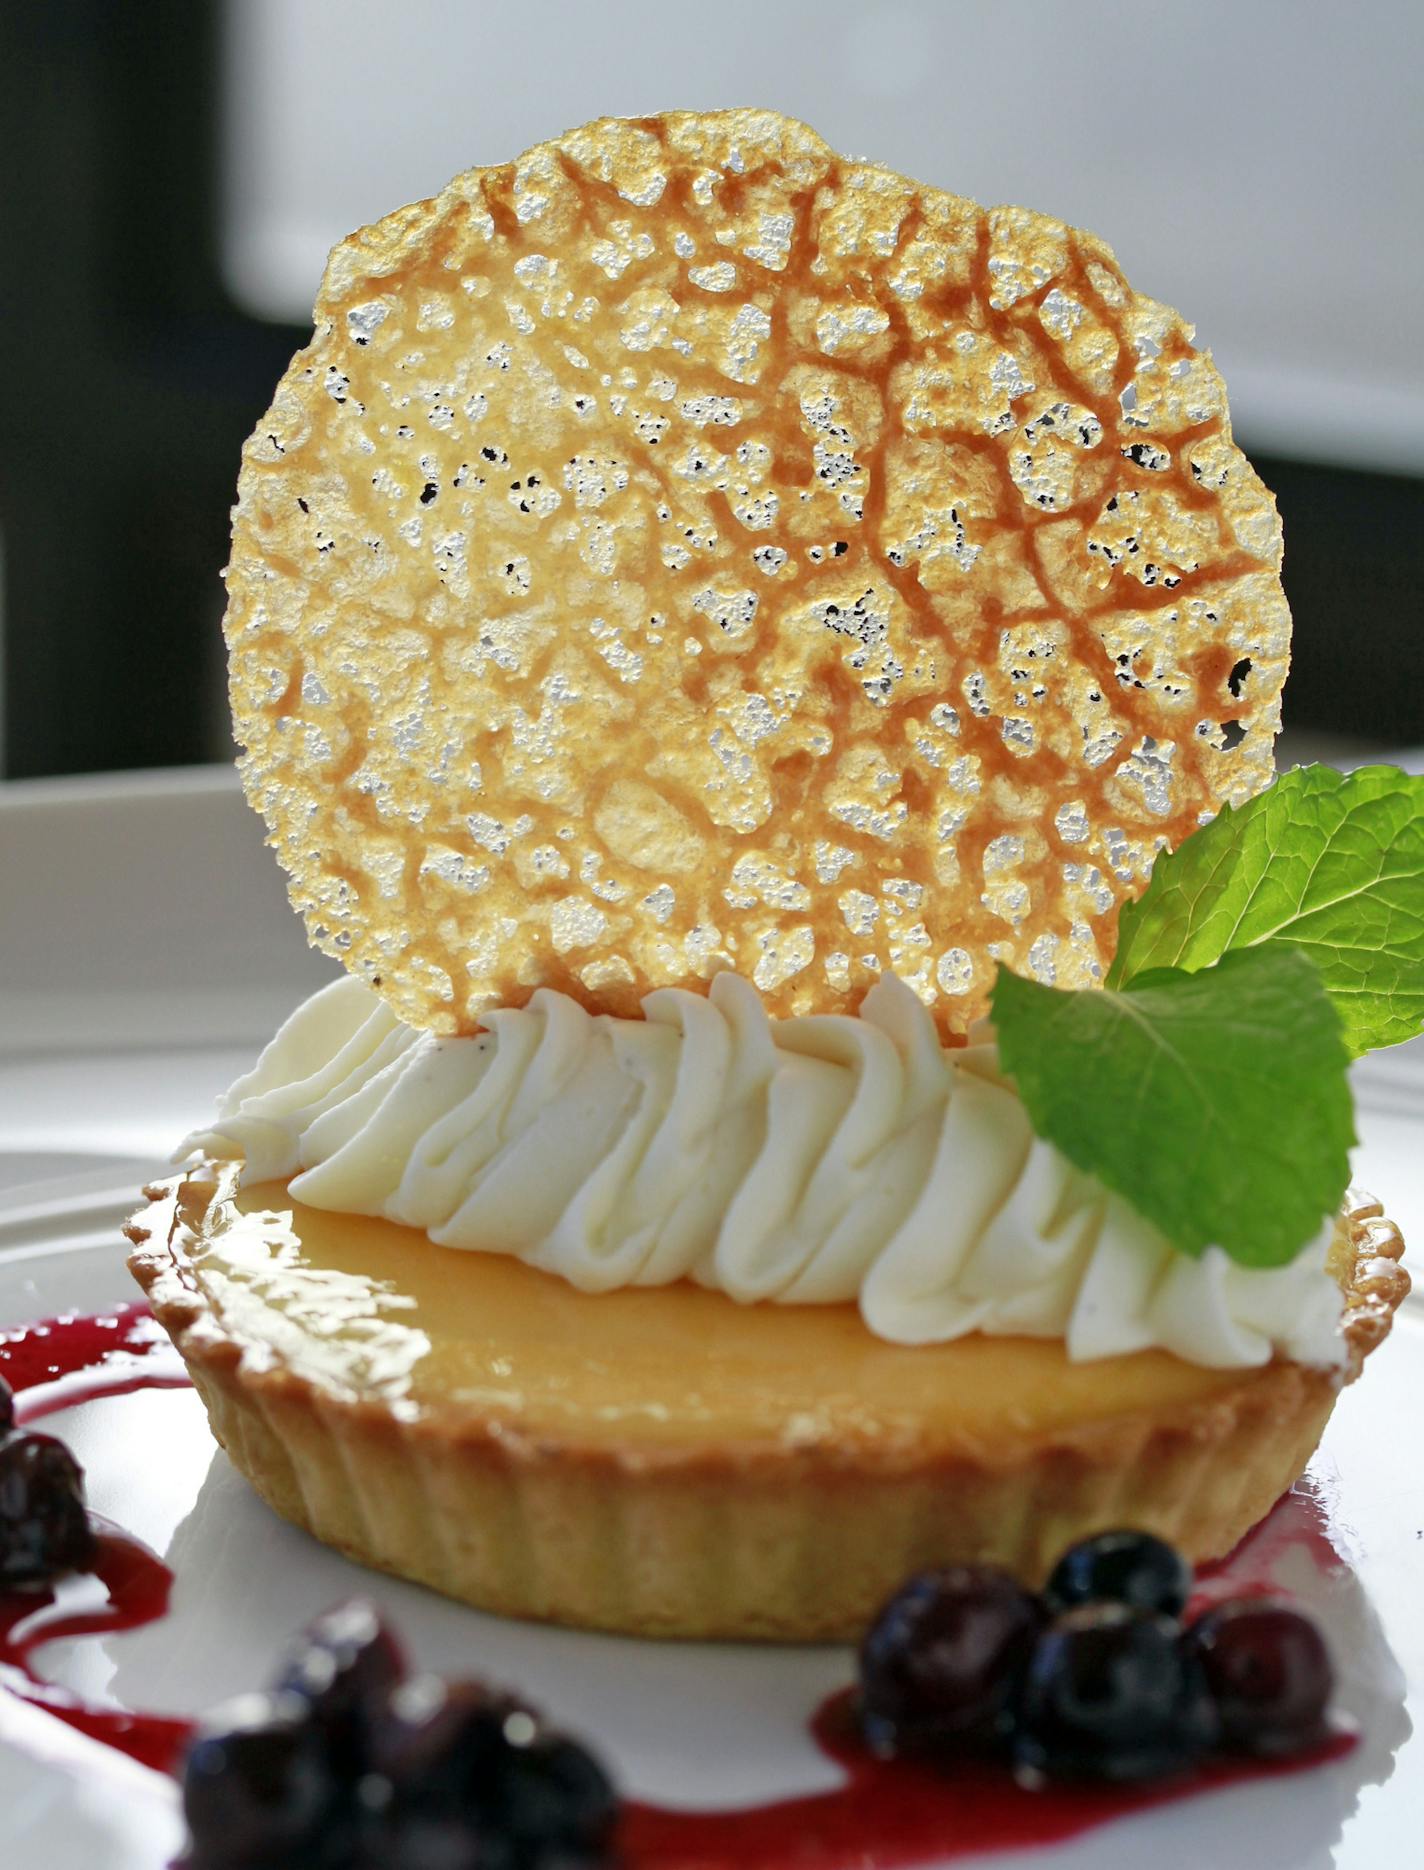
x,y
373,1311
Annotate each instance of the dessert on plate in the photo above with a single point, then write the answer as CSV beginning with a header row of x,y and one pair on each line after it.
x,y
766,674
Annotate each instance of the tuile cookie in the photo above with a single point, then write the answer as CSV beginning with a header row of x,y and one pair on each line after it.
x,y
683,548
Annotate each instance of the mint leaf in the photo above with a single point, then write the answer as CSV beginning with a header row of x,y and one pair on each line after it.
x,y
1216,1103
1330,863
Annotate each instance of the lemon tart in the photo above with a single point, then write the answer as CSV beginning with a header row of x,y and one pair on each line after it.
x,y
708,621
668,1462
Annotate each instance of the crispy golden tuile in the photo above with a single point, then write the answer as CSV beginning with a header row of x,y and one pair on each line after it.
x,y
681,548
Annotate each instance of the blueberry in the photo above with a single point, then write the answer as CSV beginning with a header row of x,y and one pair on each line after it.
x,y
44,1529
7,1409
258,1788
468,1768
344,1668
1132,1568
944,1659
1268,1672
1110,1694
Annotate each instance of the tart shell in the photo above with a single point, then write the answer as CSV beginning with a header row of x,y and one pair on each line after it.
x,y
783,1538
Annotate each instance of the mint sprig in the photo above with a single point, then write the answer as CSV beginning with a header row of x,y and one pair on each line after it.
x,y
1323,862
1206,1082
1216,1103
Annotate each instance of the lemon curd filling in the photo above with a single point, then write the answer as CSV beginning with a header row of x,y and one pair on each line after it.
x,y
813,1161
367,1310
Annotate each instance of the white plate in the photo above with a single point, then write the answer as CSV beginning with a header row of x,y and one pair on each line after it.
x,y
91,1096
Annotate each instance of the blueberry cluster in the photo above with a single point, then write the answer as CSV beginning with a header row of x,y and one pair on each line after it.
x,y
1096,1677
44,1528
349,1763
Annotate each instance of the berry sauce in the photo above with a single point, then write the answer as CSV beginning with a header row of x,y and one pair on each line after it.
x,y
888,1813
900,1812
76,1358
136,1587
52,1365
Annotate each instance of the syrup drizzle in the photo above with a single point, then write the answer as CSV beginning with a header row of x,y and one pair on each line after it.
x,y
893,1813
887,1814
136,1586
54,1364
78,1357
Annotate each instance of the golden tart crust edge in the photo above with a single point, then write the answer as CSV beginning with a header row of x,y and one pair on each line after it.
x,y
799,1544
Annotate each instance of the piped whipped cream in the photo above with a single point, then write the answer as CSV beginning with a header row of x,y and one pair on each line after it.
x,y
814,1160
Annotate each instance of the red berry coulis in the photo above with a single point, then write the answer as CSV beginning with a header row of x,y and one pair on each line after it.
x,y
79,1358
899,1812
52,1365
136,1586
888,1813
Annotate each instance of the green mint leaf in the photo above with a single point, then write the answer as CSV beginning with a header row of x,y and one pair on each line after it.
x,y
1330,863
1217,1103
